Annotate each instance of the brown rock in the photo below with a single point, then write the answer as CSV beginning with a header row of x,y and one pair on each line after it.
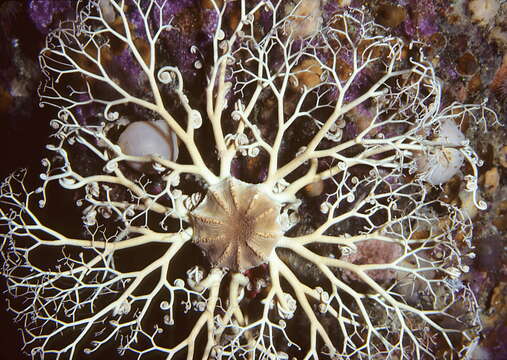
x,y
467,64
502,158
491,180
391,15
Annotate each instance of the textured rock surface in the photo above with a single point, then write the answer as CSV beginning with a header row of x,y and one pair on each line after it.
x,y
446,27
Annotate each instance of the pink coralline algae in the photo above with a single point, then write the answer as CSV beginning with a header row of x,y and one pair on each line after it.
x,y
373,252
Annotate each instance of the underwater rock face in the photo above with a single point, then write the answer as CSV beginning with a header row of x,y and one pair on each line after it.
x,y
133,197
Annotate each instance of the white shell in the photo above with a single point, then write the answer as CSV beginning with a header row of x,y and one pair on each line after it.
x,y
449,132
142,138
443,163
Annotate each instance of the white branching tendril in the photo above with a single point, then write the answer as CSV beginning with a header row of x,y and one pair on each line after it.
x,y
171,75
329,122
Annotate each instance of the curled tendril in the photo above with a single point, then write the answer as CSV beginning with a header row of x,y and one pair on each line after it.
x,y
223,45
63,114
253,152
230,60
220,34
249,19
167,75
46,163
110,115
471,186
55,124
194,49
110,166
236,115
195,119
